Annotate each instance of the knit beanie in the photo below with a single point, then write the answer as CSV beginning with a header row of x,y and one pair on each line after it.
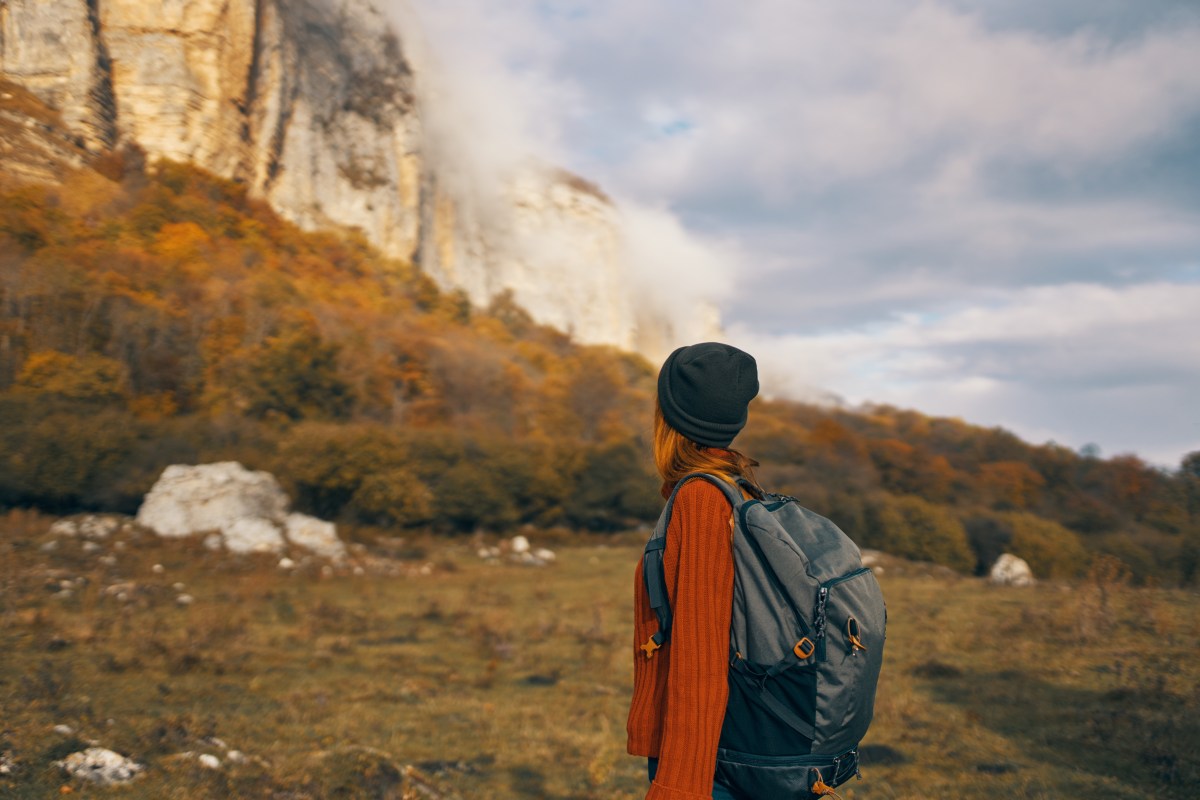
x,y
705,389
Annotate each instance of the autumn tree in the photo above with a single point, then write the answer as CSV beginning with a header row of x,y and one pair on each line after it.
x,y
90,377
1010,484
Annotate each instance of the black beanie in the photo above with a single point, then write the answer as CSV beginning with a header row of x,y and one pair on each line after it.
x,y
704,391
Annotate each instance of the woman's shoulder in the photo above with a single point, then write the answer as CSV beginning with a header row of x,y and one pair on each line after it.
x,y
700,492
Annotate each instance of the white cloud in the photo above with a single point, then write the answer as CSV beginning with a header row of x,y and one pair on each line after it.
x,y
1121,366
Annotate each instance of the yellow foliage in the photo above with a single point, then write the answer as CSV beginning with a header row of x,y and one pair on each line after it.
x,y
89,377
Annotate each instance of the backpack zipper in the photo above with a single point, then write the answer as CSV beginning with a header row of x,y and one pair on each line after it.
x,y
822,600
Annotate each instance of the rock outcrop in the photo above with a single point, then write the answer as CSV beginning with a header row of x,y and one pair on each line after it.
x,y
317,108
241,510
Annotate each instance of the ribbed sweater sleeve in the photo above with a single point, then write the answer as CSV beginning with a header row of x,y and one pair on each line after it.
x,y
698,565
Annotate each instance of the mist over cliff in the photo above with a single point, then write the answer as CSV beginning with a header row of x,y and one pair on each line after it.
x,y
333,113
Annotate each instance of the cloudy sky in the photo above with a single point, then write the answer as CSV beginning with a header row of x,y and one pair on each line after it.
x,y
983,209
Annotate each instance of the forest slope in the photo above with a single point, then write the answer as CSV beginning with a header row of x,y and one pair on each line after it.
x,y
157,315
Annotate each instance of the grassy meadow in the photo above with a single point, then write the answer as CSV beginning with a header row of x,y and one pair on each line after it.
x,y
507,681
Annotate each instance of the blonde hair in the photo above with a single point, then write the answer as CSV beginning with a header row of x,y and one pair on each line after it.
x,y
675,455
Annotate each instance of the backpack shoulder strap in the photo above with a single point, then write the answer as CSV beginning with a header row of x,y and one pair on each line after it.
x,y
652,559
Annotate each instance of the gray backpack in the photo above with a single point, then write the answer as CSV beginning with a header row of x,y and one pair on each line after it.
x,y
805,646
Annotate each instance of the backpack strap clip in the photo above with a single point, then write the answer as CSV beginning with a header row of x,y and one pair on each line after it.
x,y
804,648
818,786
652,644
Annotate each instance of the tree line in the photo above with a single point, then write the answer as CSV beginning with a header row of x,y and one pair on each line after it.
x,y
158,315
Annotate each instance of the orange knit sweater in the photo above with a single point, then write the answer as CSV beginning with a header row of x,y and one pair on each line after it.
x,y
679,694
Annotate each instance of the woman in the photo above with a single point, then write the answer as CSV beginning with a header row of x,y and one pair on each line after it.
x,y
680,690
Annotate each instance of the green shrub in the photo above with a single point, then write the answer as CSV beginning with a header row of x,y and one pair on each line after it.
x,y
913,528
1051,550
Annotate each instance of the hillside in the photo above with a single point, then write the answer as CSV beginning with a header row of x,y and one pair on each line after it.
x,y
156,314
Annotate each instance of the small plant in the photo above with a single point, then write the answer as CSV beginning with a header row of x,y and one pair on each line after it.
x,y
1095,615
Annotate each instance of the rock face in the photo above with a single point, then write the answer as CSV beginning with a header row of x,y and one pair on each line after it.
x,y
240,510
315,105
1009,570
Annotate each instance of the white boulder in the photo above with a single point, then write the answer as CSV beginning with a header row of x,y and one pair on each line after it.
x,y
314,534
520,545
1009,570
210,497
252,535
100,766
240,510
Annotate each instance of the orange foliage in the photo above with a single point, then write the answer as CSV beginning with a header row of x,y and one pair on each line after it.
x,y
1010,484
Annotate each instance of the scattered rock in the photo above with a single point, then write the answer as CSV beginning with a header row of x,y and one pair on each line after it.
x,y
253,535
314,534
185,600
519,552
100,766
213,541
50,546
89,526
235,757
179,587
286,563
871,558
158,569
8,765
108,561
91,547
1009,570
64,730
121,591
209,761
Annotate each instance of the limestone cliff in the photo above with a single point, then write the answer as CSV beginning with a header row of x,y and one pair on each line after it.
x,y
314,105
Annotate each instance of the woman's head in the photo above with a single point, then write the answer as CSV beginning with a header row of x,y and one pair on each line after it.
x,y
704,391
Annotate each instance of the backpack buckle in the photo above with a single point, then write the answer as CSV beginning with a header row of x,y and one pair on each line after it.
x,y
804,648
651,645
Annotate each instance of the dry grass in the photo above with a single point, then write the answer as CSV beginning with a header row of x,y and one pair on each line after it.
x,y
512,682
